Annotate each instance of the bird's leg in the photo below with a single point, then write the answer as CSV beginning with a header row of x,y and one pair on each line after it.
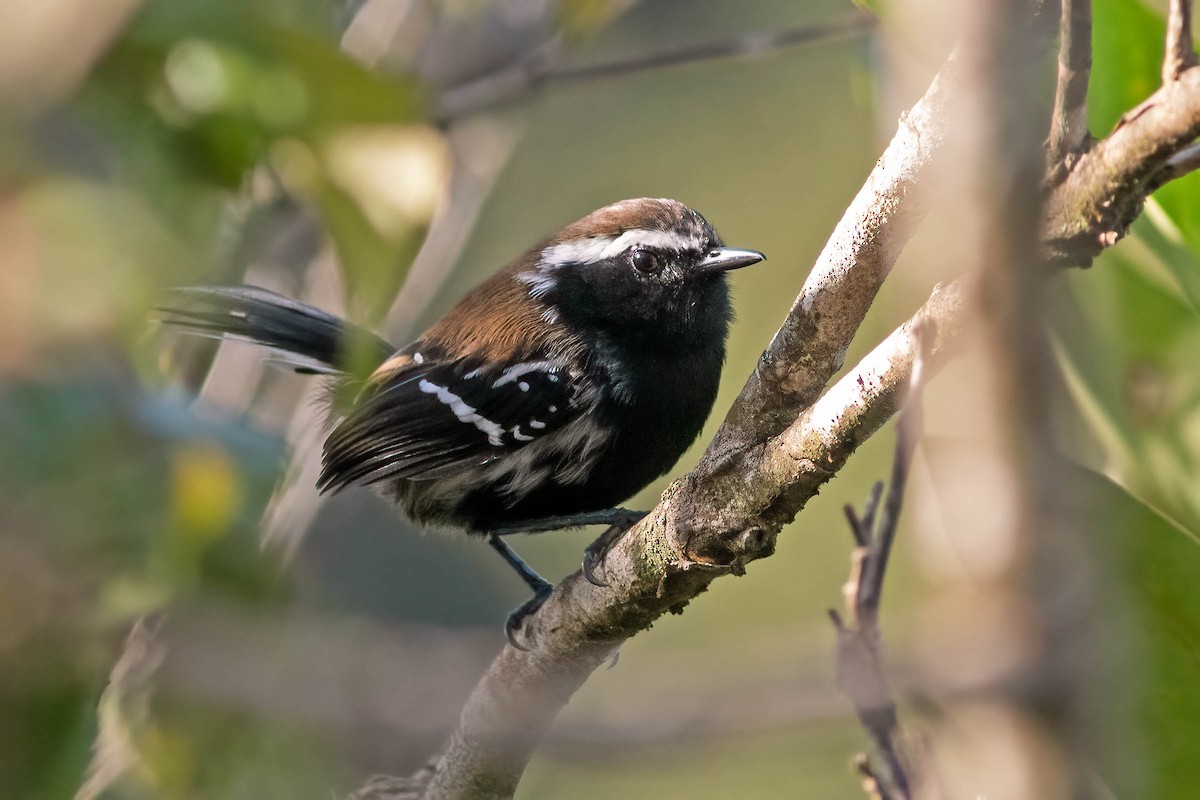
x,y
540,586
619,520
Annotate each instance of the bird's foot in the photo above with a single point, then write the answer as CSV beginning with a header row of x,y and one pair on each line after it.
x,y
595,553
515,624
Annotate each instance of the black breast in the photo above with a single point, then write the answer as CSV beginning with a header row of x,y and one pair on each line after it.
x,y
657,416
657,384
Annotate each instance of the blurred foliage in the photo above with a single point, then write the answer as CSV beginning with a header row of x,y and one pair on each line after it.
x,y
206,120
1127,333
140,505
1128,328
201,93
1149,716
120,501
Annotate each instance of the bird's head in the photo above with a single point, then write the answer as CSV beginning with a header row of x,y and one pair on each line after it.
x,y
636,270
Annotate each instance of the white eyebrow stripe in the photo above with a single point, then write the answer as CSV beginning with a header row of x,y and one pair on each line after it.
x,y
589,250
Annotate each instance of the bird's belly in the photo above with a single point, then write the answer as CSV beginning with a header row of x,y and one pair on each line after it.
x,y
545,478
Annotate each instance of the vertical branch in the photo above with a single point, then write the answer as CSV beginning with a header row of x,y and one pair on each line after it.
x,y
1016,494
908,432
860,663
1180,54
1068,128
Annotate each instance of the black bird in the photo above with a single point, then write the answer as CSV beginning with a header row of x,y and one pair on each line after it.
x,y
565,383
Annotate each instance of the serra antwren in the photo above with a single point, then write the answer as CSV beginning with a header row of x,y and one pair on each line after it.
x,y
556,389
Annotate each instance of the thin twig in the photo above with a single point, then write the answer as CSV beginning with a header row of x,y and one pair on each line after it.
x,y
1068,128
540,70
1180,55
908,431
860,663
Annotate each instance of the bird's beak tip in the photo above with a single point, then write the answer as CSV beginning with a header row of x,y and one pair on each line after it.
x,y
724,259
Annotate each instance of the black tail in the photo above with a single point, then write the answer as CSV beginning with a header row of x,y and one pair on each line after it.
x,y
310,339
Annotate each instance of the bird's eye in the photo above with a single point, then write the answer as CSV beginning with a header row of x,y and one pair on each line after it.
x,y
645,261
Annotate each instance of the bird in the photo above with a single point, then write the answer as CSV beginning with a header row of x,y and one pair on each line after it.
x,y
569,380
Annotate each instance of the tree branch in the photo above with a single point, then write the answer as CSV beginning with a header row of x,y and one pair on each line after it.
x,y
1000,167
541,70
1180,56
1069,128
1093,207
860,662
1182,163
811,344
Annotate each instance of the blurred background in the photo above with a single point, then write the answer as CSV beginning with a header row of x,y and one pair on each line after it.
x,y
158,524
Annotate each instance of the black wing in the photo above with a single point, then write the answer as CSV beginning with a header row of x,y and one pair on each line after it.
x,y
432,419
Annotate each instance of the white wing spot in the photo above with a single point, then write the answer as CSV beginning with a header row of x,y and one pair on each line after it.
x,y
464,412
513,373
520,437
553,409
418,358
536,424
523,386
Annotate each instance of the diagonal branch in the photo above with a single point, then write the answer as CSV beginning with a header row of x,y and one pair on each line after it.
x,y
1180,55
811,344
1068,127
541,70
1182,163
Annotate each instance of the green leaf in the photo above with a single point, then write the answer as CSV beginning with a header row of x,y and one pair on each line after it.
x,y
1127,50
1127,334
1148,622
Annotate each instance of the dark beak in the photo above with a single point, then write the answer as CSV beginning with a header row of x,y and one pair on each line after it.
x,y
723,259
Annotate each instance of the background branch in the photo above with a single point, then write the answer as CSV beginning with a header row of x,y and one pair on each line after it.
x,y
1182,163
1069,127
1038,695
1093,207
860,663
1179,53
542,70
811,344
